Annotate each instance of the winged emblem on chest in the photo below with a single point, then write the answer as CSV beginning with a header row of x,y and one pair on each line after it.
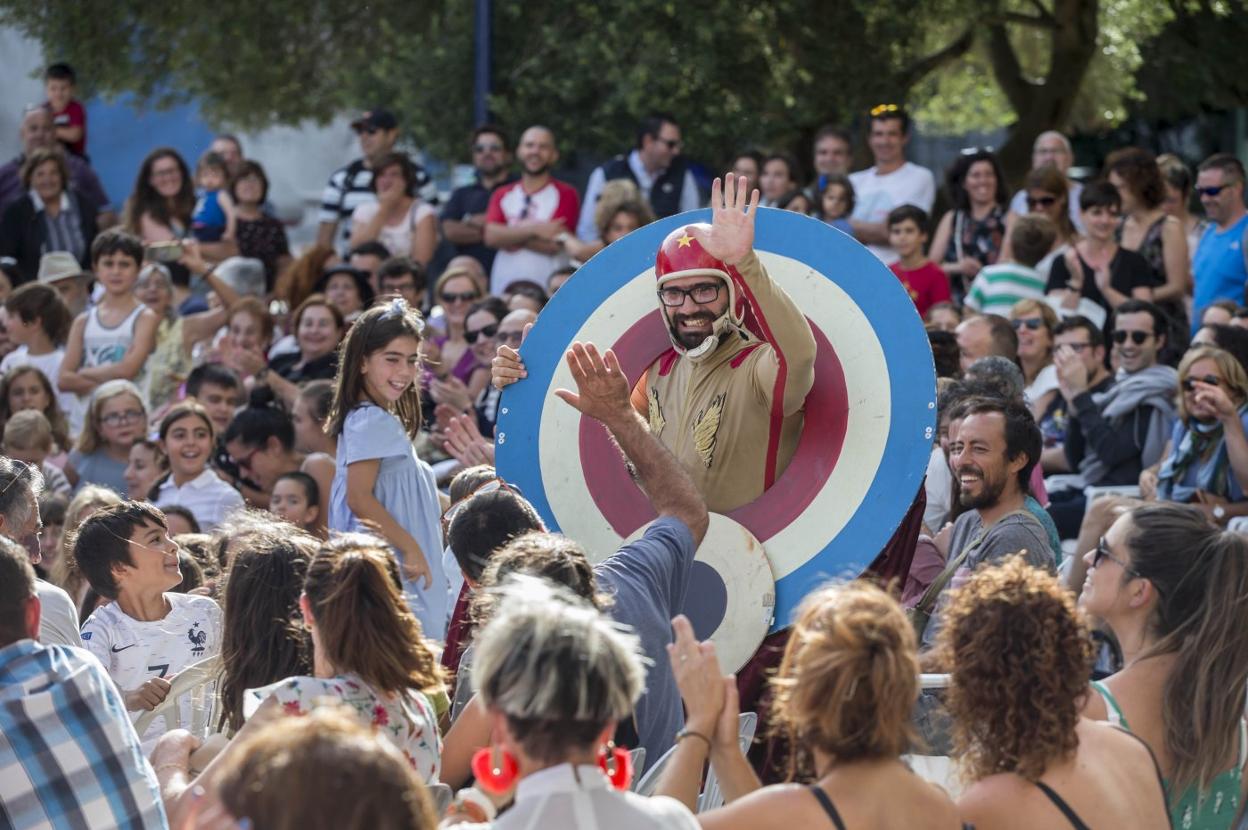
x,y
706,429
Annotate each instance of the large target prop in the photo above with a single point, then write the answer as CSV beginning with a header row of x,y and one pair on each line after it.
x,y
864,447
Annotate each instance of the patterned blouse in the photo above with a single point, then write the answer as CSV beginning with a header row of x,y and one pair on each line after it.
x,y
406,719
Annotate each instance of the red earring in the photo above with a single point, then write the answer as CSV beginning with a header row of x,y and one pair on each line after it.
x,y
494,776
617,763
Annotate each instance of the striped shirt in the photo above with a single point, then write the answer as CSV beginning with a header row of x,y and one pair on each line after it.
x,y
69,756
348,188
998,287
64,232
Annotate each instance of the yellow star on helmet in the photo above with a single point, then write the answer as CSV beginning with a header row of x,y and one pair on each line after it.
x,y
685,241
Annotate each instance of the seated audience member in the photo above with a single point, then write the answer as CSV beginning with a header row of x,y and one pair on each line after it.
x,y
971,235
943,317
748,165
620,211
778,177
985,335
401,277
455,291
297,499
51,216
213,219
262,639
556,677
309,417
245,344
187,439
923,280
26,387
318,327
115,419
52,507
1220,313
348,289
945,353
259,235
28,438
526,295
998,287
261,442
367,258
1112,436
1046,192
481,325
1019,656
294,285
147,634
796,201
558,277
1170,586
38,322
37,130
147,466
992,454
853,644
1231,339
65,571
397,218
181,521
1035,321
71,757
20,488
1076,340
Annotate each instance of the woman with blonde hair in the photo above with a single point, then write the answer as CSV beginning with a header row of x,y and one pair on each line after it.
x,y
1020,655
844,695
116,418
1034,322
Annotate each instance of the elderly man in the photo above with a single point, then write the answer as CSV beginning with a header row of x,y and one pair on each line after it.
x,y
20,486
728,398
984,335
37,131
1052,149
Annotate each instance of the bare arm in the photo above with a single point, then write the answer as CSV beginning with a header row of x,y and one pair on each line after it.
x,y
361,477
132,362
362,232
425,239
470,732
940,240
870,233
231,216
69,134
325,234
498,235
322,470
467,231
1177,265
69,378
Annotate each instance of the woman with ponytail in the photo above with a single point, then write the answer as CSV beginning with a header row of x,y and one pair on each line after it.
x,y
1174,590
844,694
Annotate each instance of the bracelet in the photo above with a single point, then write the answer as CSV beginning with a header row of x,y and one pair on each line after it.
x,y
689,733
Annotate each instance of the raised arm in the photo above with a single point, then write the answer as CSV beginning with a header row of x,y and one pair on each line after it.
x,y
603,394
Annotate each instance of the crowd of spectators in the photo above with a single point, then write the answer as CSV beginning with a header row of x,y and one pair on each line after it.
x,y
264,472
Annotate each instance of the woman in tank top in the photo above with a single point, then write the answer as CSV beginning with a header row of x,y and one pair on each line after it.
x,y
1171,587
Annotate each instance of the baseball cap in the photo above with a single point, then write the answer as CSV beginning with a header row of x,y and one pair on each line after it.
x,y
58,265
378,119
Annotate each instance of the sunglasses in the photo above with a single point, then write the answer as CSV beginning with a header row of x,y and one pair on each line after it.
x,y
1102,552
1189,383
487,148
466,297
488,331
1213,191
672,144
1139,338
1031,324
1041,201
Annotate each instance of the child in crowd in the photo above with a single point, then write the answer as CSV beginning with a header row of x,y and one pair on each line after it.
x,y
998,287
182,522
28,438
836,202
297,499
943,317
187,439
147,634
923,280
69,119
25,387
52,508
213,219
116,419
113,339
379,478
147,465
38,322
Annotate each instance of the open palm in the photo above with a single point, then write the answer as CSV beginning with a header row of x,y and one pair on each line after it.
x,y
732,220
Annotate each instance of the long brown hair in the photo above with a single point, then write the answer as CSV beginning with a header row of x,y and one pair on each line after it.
x,y
56,417
146,199
1200,573
373,331
364,623
294,284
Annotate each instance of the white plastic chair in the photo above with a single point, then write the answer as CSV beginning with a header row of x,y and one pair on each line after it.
x,y
713,797
638,757
648,782
197,680
935,769
1091,494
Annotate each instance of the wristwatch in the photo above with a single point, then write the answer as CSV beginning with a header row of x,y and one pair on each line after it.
x,y
1219,513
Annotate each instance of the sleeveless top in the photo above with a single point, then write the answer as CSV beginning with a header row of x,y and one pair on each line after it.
x,y
1193,809
102,345
825,801
980,239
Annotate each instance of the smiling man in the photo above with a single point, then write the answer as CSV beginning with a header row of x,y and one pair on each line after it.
x,y
992,454
1220,266
890,183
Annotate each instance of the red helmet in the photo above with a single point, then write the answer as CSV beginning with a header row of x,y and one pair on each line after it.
x,y
681,255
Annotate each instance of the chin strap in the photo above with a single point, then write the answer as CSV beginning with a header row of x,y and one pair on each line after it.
x,y
721,326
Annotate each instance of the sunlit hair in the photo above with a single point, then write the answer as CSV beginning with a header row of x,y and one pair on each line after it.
x,y
1038,308
365,625
21,484
263,638
372,332
1234,378
549,556
189,408
240,529
60,425
295,283
849,677
1200,574
323,770
91,438
65,572
620,195
450,274
556,667
1141,174
1021,654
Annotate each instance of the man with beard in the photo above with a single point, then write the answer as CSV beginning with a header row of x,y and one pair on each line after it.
x,y
728,398
463,218
525,217
992,453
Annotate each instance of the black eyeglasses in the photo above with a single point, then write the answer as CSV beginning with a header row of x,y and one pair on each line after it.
x,y
448,298
1041,201
488,331
130,416
1139,338
702,293
1031,324
1189,382
1102,552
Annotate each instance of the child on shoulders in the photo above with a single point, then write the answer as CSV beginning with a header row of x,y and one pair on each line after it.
x,y
213,219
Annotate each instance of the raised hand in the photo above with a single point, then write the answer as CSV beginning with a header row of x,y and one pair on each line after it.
x,y
698,676
465,443
602,390
506,368
731,236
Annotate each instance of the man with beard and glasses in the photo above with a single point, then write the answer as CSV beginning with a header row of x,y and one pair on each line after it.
x,y
525,218
992,453
728,398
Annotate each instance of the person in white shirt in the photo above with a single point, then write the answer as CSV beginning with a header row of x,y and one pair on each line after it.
x,y
187,440
145,636
890,183
38,322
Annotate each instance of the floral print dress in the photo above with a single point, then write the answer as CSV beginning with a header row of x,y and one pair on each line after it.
x,y
407,719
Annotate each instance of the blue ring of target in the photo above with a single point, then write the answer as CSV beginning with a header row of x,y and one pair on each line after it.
x,y
878,294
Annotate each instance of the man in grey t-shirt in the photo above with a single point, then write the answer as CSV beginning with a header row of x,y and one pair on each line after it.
x,y
996,446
